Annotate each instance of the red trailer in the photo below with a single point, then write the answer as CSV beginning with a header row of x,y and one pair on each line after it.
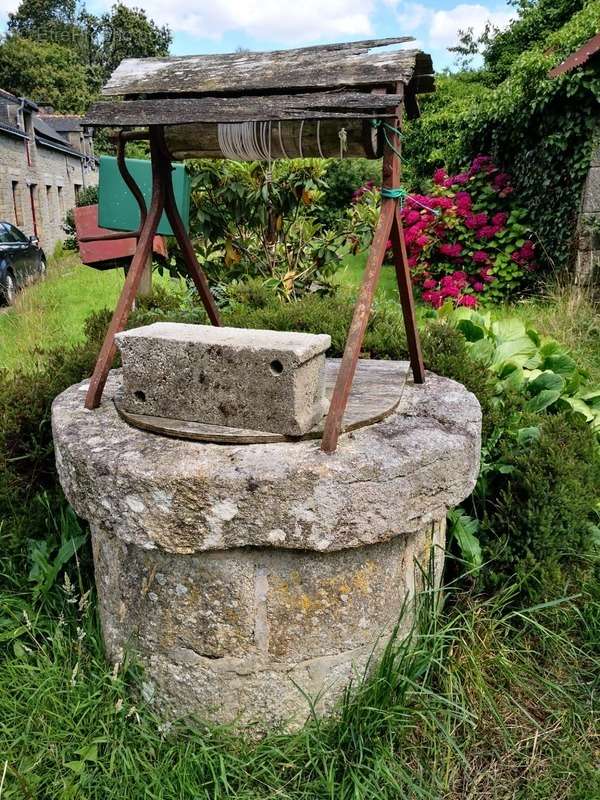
x,y
100,252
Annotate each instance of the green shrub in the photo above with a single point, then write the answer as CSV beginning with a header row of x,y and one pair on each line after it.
x,y
445,352
342,178
536,515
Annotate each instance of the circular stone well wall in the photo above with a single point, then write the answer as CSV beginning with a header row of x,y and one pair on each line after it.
x,y
240,575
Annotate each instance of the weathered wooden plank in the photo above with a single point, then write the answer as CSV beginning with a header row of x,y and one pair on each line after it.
x,y
376,393
320,67
176,110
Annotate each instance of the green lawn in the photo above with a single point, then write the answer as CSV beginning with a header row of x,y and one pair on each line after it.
x,y
352,272
53,311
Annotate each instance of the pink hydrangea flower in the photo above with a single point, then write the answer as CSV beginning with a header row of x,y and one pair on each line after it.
x,y
460,278
433,298
421,241
463,200
480,163
528,249
414,200
460,179
411,216
487,232
480,257
451,250
474,221
499,219
451,290
478,286
440,202
486,276
501,181
467,300
429,283
439,176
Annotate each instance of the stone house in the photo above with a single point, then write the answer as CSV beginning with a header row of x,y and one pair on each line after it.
x,y
45,161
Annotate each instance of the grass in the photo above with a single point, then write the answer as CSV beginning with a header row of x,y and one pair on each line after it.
x,y
487,702
570,315
52,312
352,272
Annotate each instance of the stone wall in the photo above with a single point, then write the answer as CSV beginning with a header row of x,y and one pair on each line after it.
x,y
587,265
55,176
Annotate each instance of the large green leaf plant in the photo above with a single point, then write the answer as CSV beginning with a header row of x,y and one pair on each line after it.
x,y
523,361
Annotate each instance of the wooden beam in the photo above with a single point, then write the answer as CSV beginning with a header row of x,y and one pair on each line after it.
x,y
181,235
406,299
358,326
333,66
177,110
389,225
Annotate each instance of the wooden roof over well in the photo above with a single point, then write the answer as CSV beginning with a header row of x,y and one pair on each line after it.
x,y
326,81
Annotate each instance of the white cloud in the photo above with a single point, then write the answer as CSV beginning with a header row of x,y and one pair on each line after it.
x,y
444,27
440,28
289,21
5,7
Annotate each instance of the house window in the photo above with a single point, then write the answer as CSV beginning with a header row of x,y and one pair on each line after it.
x,y
77,188
16,199
32,197
61,201
49,203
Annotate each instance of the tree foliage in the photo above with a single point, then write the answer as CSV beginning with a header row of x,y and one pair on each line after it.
x,y
535,22
128,33
47,38
46,72
46,20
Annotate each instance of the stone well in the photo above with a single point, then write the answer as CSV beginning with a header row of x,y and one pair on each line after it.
x,y
241,574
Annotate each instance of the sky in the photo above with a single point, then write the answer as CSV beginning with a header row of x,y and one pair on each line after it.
x,y
213,26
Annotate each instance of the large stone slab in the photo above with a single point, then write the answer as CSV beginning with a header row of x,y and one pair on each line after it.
x,y
384,480
256,379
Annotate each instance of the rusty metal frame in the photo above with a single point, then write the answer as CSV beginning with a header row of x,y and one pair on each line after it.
x,y
162,200
388,227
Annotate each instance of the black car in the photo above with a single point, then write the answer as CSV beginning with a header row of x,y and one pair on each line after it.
x,y
22,260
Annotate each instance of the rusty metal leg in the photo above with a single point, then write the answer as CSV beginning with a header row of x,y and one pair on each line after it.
x,y
358,326
183,239
134,274
128,177
406,298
